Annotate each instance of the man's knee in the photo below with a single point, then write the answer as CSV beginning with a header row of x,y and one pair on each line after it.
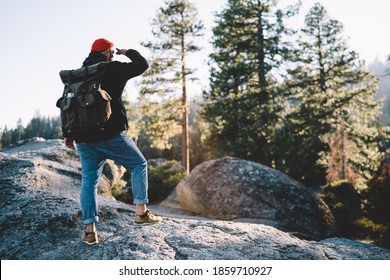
x,y
143,164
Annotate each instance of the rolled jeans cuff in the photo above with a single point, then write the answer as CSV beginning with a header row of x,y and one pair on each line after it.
x,y
140,201
91,220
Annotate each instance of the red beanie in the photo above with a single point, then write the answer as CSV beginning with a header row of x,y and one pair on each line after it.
x,y
101,45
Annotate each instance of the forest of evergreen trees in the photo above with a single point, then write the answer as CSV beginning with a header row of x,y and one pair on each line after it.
x,y
298,100
38,126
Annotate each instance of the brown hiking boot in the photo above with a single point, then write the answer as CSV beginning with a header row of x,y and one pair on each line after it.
x,y
147,219
90,238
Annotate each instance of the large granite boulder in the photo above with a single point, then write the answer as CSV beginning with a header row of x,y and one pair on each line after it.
x,y
231,188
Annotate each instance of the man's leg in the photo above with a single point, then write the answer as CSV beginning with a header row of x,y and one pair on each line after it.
x,y
124,151
92,165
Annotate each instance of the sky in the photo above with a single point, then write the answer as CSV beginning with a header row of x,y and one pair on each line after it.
x,y
41,37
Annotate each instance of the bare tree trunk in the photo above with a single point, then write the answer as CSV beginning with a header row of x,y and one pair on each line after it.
x,y
185,142
343,162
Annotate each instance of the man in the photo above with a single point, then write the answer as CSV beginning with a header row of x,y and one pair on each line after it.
x,y
97,145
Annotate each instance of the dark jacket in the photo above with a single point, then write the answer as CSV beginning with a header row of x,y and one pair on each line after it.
x,y
114,81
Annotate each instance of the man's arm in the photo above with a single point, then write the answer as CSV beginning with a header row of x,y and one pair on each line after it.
x,y
136,67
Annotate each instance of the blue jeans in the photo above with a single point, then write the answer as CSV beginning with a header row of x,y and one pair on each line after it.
x,y
122,150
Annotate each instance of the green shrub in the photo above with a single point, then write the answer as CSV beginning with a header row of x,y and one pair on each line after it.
x,y
344,202
377,194
384,237
120,191
365,228
162,180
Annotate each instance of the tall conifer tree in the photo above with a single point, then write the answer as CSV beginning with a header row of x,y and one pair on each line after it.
x,y
332,91
244,103
175,30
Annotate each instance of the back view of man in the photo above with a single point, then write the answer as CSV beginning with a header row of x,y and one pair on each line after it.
x,y
111,142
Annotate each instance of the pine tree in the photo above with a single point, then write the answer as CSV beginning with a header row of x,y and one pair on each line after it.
x,y
382,71
19,129
339,168
159,123
6,137
133,117
175,30
332,90
244,104
199,131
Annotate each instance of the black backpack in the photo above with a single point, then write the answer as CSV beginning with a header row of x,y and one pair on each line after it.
x,y
84,105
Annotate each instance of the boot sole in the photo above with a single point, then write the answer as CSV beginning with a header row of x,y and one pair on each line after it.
x,y
146,224
90,243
